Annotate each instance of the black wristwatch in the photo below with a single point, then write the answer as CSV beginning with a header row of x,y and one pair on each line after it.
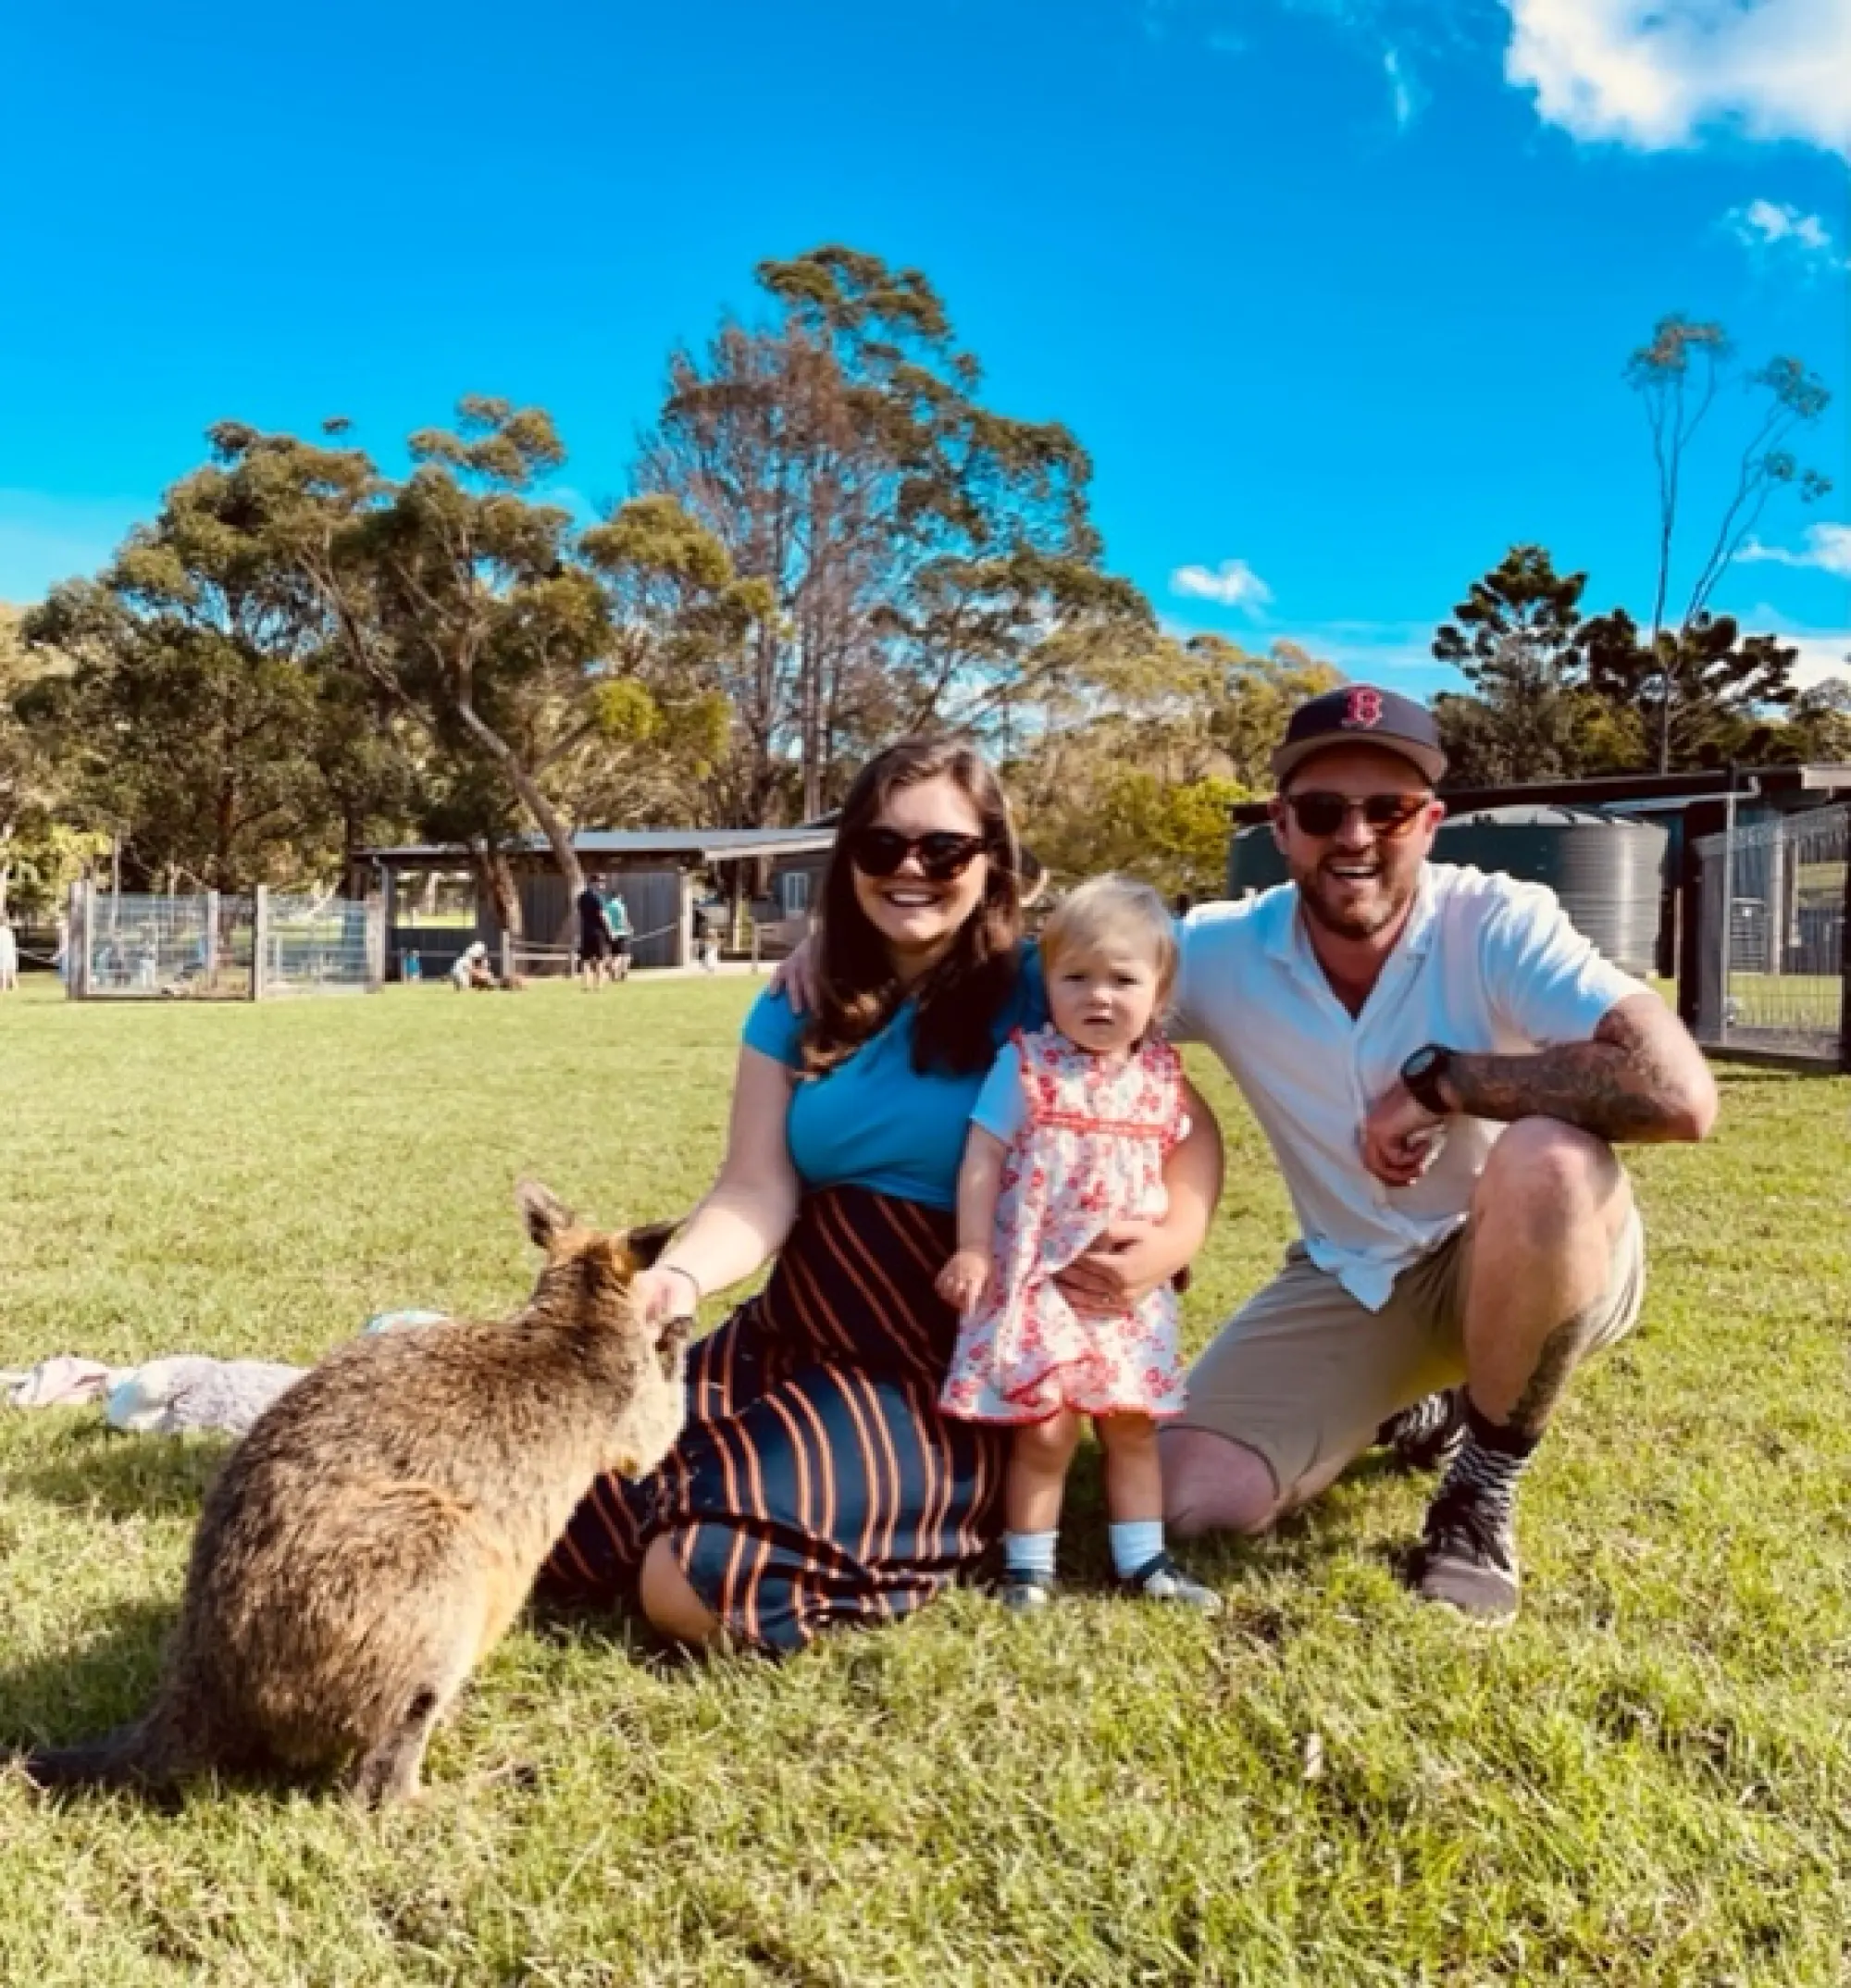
x,y
1422,1073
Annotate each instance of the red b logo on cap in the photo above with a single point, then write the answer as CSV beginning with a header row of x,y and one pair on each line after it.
x,y
1364,709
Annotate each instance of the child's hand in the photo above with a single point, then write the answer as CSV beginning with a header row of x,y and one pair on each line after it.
x,y
964,1279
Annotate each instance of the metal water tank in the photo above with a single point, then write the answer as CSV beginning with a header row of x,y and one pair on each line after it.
x,y
1606,869
1253,860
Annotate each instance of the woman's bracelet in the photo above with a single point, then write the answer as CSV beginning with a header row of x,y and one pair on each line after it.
x,y
693,1282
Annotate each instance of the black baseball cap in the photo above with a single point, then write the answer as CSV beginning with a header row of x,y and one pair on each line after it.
x,y
1359,714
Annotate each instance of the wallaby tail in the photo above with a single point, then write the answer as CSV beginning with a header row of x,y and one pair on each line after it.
x,y
140,1755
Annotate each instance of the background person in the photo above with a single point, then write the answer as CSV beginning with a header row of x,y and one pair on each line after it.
x,y
595,947
617,920
1443,1065
9,958
471,972
707,937
818,1482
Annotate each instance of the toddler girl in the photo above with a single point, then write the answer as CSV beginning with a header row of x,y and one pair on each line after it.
x,y
1070,1133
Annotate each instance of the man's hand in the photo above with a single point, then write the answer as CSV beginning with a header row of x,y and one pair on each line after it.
x,y
1400,1136
964,1279
1127,1262
794,977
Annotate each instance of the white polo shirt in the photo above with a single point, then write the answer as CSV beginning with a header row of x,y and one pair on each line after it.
x,y
1484,964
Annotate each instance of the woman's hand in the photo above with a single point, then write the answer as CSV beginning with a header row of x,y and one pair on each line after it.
x,y
664,1293
1127,1262
964,1279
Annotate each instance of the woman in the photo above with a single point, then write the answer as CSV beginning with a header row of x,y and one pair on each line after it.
x,y
817,1481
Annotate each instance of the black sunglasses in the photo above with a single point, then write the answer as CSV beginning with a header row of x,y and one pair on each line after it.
x,y
941,855
1321,813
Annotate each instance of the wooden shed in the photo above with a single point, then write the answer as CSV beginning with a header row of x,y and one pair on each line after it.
x,y
657,870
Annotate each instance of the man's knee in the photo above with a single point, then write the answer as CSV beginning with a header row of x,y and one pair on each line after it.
x,y
1214,1485
1548,1177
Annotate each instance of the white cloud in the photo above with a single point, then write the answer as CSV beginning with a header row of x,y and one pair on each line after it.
x,y
1821,655
1822,651
1655,73
1767,227
1405,93
1233,583
1828,547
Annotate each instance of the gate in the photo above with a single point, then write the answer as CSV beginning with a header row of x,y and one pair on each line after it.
x,y
1772,902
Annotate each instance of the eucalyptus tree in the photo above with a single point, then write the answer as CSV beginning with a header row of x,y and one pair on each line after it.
x,y
1680,374
921,549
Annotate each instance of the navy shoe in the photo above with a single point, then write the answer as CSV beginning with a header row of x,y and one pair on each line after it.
x,y
1025,1589
1160,1579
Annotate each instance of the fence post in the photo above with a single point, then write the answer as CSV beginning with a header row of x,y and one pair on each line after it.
x,y
507,958
376,944
211,941
1844,957
77,941
1701,818
260,940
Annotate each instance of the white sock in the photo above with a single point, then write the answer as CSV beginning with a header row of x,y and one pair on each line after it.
x,y
1029,1552
1135,1543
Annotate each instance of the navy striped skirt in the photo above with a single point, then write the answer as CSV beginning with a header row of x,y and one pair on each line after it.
x,y
816,1482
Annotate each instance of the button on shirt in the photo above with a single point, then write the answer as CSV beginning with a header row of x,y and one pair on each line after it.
x,y
1485,963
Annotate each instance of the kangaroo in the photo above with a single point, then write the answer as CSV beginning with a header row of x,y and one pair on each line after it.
x,y
377,1531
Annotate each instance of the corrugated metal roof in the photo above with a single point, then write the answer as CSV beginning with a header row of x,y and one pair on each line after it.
x,y
697,845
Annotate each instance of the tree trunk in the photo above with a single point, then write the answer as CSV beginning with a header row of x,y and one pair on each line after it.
x,y
495,878
548,819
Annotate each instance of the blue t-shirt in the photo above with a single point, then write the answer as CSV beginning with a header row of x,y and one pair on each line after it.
x,y
874,1121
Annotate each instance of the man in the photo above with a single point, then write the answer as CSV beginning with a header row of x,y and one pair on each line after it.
x,y
1443,1066
595,947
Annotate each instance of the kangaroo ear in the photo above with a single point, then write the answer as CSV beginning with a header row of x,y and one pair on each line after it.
x,y
547,1217
644,1245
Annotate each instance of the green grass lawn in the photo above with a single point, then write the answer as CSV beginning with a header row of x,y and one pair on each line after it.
x,y
1646,1780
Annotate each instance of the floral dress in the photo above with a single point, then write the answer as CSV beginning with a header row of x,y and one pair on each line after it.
x,y
1088,1151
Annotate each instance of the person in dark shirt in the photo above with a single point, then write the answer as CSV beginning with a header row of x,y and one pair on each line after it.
x,y
595,948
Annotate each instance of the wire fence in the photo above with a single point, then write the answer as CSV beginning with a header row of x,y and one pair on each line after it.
x,y
1773,901
126,945
317,946
217,946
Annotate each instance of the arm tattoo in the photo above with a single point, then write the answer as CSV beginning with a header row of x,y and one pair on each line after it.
x,y
1623,1085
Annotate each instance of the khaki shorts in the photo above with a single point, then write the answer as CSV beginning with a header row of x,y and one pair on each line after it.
x,y
1303,1374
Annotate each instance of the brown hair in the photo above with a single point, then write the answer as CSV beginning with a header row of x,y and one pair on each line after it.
x,y
857,990
1112,907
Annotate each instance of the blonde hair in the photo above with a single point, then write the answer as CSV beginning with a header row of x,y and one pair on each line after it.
x,y
1109,908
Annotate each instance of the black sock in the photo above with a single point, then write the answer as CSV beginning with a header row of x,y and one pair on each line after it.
x,y
1488,1467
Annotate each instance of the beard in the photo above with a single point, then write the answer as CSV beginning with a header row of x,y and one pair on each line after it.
x,y
1366,915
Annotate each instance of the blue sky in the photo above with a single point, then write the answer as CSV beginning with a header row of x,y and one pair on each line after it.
x,y
1338,292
